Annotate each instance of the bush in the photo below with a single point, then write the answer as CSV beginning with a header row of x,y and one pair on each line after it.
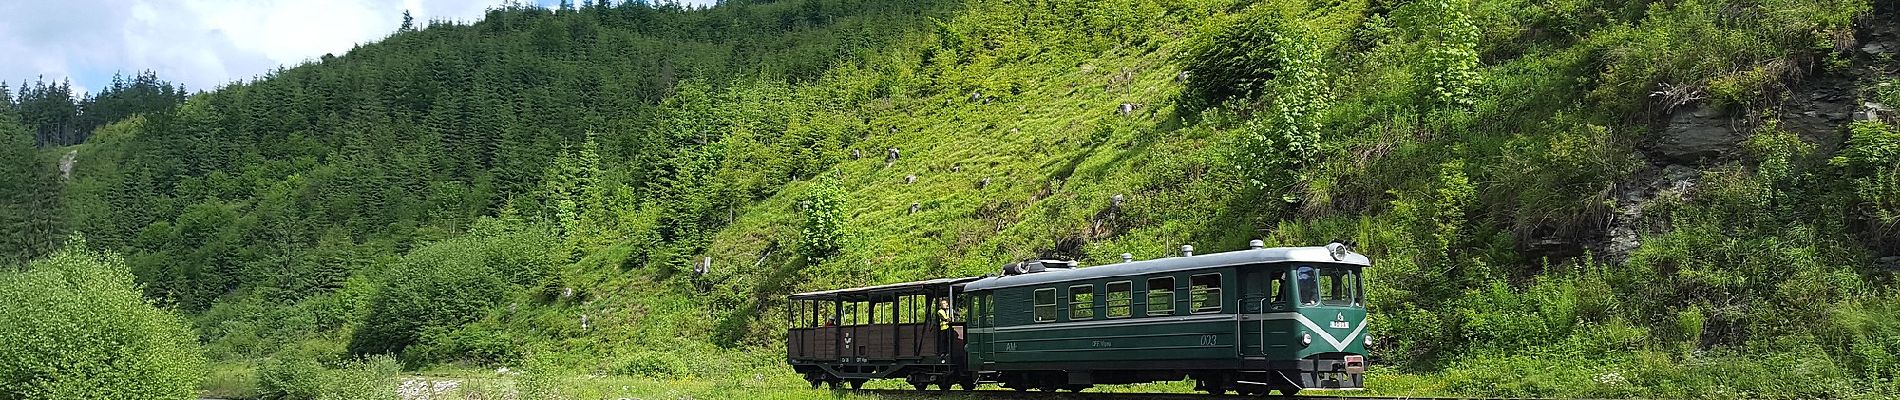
x,y
1871,161
1236,61
290,378
447,284
300,378
822,233
73,326
655,365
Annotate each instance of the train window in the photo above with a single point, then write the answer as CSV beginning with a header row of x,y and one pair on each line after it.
x,y
828,312
1278,288
1204,293
976,302
989,309
1081,302
962,309
907,310
1119,294
1161,296
1307,279
813,317
1045,305
1336,286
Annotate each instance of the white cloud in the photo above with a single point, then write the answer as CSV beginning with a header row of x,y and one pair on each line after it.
x,y
201,43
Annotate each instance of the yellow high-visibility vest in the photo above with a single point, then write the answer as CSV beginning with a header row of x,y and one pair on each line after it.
x,y
943,319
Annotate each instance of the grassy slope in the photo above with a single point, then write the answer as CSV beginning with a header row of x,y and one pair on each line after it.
x,y
1398,174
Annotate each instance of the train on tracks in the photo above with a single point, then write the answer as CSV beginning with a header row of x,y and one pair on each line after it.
x,y
1251,322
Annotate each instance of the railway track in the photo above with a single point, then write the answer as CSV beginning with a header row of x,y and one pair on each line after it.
x,y
1038,395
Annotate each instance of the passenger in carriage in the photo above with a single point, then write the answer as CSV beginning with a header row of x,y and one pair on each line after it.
x,y
945,314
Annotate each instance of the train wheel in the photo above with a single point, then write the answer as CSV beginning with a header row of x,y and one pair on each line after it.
x,y
833,383
815,382
857,384
1289,391
1217,391
920,385
968,385
945,385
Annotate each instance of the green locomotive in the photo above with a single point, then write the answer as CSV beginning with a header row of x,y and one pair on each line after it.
x,y
1250,322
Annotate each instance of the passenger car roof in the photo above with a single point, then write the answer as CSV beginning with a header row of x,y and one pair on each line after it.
x,y
1313,254
894,288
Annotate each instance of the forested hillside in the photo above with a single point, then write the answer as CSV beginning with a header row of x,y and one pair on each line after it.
x,y
1599,198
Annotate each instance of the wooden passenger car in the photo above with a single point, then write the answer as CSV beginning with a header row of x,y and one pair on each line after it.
x,y
891,331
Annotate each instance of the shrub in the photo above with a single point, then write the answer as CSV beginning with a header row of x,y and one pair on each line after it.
x,y
300,378
822,232
1236,61
372,378
446,284
1871,161
290,378
655,365
73,326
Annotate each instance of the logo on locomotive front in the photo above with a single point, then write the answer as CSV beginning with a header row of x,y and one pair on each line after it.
x,y
1339,322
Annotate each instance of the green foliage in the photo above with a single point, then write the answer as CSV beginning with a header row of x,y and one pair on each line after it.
x,y
447,284
74,327
30,196
822,233
424,197
655,365
1871,162
371,378
1448,53
1237,60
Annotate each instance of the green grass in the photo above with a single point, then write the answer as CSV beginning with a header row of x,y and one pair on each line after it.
x,y
1442,179
230,380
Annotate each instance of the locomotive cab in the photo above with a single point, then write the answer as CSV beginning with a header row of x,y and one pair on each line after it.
x,y
1308,322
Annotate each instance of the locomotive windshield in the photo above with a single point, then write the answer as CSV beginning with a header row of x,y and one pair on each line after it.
x,y
1328,285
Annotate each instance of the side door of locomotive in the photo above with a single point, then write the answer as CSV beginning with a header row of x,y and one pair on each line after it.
x,y
1261,300
981,334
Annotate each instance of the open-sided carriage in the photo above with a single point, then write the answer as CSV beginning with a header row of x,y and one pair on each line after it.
x,y
850,336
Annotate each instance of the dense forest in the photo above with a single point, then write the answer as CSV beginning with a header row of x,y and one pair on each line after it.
x,y
1595,198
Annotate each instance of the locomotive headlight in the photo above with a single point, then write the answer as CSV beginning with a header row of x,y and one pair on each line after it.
x,y
1306,339
1368,339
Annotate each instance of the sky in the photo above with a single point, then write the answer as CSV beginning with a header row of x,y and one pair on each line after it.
x,y
200,43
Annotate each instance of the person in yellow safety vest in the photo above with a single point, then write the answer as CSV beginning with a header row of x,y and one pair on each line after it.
x,y
944,313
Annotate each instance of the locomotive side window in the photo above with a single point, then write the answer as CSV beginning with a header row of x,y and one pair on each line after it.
x,y
1278,288
1119,296
962,309
1081,302
989,309
1045,305
1161,296
1204,293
